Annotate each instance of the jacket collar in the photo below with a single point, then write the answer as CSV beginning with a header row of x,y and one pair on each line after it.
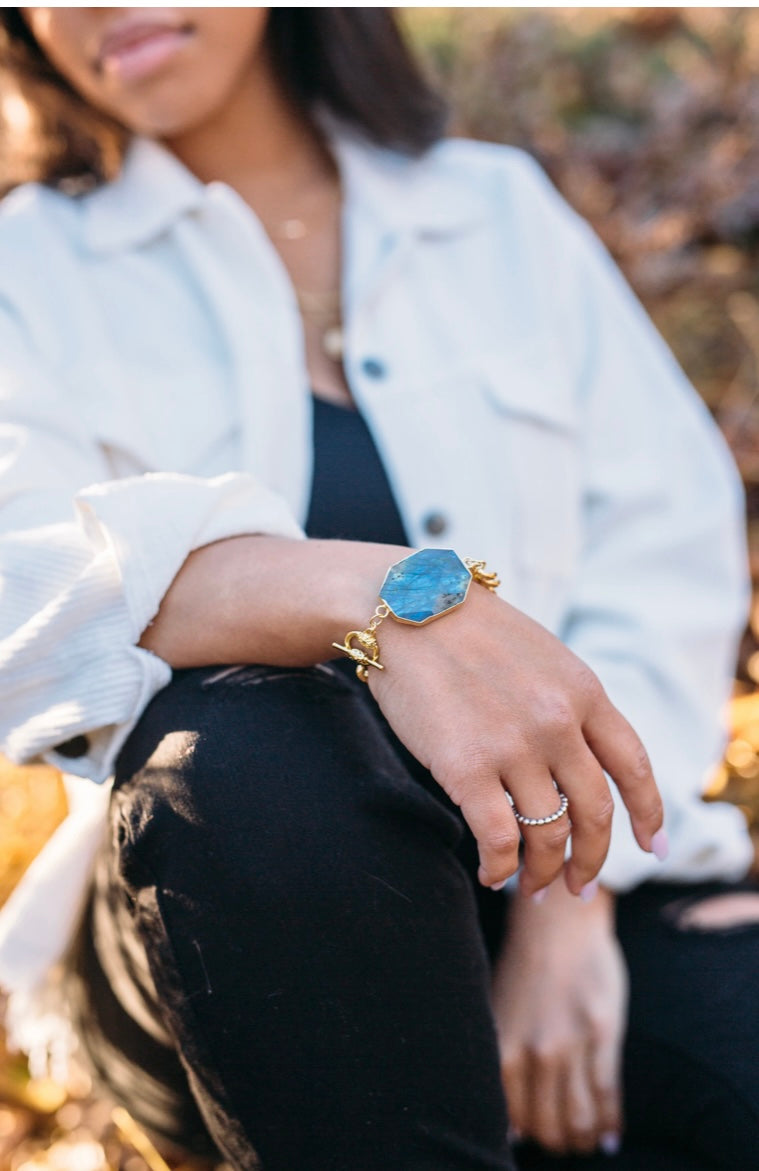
x,y
154,189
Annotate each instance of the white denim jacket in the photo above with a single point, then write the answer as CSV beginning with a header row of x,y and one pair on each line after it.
x,y
155,398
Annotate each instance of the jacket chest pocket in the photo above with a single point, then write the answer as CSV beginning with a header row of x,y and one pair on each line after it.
x,y
146,421
531,441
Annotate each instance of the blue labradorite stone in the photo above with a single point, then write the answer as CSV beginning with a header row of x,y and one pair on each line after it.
x,y
425,585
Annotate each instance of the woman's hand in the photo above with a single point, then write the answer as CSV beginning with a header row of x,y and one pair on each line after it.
x,y
560,1003
489,700
485,698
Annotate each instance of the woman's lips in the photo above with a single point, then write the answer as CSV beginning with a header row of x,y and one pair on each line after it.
x,y
132,53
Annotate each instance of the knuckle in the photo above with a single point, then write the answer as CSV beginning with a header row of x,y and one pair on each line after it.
x,y
548,839
503,840
477,758
474,762
561,717
462,770
640,764
515,753
545,1053
600,816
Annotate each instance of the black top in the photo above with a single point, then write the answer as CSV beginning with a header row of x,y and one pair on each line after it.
x,y
351,498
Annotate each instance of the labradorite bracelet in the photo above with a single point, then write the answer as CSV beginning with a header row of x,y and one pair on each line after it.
x,y
423,586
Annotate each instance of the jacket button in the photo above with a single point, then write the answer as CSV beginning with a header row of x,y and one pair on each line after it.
x,y
435,523
373,368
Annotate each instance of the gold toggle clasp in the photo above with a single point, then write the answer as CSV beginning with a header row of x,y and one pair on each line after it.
x,y
364,655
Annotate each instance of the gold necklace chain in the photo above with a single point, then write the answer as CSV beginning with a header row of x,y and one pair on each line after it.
x,y
324,310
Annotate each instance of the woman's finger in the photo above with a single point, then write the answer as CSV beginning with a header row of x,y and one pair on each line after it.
x,y
581,1117
489,816
591,807
605,1061
619,750
514,1074
547,1087
544,845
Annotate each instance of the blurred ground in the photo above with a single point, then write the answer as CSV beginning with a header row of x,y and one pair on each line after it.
x,y
648,120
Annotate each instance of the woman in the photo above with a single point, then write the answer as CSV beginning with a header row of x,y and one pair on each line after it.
x,y
283,926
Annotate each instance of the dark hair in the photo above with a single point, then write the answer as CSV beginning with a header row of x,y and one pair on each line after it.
x,y
350,62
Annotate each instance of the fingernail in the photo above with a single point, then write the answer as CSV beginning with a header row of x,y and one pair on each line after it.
x,y
610,1143
499,885
660,844
514,1135
540,895
589,891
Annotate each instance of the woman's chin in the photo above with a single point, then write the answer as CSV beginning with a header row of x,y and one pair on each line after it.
x,y
159,120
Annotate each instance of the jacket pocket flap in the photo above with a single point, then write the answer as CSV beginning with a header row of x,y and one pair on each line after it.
x,y
530,384
161,422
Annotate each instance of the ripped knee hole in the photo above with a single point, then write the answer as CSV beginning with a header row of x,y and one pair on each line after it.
x,y
721,912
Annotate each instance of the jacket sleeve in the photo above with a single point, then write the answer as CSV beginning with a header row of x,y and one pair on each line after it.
x,y
84,563
662,591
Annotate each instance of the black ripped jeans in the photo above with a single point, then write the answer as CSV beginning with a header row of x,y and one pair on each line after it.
x,y
287,950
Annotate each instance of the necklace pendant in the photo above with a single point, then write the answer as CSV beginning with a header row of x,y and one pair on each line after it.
x,y
333,343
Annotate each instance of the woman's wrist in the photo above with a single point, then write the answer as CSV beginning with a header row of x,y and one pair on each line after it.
x,y
268,600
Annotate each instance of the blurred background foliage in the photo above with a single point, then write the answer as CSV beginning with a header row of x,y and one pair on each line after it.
x,y
647,119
